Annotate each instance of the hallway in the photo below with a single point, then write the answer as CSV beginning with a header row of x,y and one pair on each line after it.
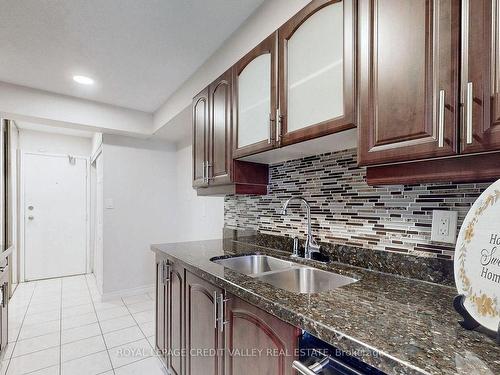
x,y
60,326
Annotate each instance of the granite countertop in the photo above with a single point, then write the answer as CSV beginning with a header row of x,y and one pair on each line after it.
x,y
396,324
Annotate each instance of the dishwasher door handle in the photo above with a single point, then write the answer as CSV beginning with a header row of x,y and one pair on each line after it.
x,y
313,369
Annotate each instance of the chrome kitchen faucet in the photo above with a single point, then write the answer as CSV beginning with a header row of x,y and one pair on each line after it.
x,y
311,245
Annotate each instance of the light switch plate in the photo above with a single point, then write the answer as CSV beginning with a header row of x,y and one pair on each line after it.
x,y
444,226
109,203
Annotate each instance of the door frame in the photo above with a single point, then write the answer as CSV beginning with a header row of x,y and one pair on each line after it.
x,y
22,216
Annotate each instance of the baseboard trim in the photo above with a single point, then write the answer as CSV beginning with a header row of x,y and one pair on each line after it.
x,y
127,292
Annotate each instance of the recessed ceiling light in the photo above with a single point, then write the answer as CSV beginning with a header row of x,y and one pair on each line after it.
x,y
83,80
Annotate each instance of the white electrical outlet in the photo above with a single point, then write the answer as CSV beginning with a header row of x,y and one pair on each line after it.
x,y
444,226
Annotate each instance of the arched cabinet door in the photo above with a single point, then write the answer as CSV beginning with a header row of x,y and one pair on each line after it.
x,y
202,334
200,139
317,71
160,304
248,329
220,153
174,325
254,95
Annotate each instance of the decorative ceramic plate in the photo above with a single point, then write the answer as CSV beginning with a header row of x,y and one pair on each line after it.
x,y
477,259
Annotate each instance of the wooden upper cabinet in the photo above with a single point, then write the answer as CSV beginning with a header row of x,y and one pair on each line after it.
x,y
408,55
220,151
254,98
200,139
317,71
480,94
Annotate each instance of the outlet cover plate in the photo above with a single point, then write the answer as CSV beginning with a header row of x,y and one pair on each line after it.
x,y
444,226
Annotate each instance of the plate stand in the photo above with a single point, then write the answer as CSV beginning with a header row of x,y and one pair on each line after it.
x,y
468,321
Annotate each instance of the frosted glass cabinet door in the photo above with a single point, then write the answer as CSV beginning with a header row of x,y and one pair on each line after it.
x,y
255,96
254,100
316,68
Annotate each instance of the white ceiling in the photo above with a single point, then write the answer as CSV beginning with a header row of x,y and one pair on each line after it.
x,y
138,51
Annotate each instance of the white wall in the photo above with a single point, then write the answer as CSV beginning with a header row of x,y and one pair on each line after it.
x,y
139,178
51,143
97,227
199,218
266,19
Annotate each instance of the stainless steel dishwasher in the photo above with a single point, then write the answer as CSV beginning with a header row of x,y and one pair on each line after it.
x,y
318,357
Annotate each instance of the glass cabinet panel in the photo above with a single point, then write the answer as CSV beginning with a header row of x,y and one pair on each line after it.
x,y
254,101
315,69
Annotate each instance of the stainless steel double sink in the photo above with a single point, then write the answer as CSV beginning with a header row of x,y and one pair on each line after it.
x,y
285,274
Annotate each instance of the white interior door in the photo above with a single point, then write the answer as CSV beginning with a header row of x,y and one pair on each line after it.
x,y
55,230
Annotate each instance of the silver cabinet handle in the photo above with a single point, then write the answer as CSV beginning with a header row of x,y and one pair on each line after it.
x,y
222,309
468,118
271,124
278,125
215,310
204,170
209,165
166,272
441,119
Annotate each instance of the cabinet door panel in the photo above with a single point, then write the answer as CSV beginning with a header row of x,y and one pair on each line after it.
x,y
220,149
316,63
480,76
202,336
255,100
251,328
160,306
200,138
408,72
176,320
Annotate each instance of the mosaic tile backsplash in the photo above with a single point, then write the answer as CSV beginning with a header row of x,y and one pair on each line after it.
x,y
345,210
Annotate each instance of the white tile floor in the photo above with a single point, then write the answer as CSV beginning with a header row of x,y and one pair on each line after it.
x,y
60,326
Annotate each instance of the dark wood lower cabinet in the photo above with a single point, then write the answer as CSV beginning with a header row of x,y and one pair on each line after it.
x,y
203,338
175,320
160,305
170,314
256,341
201,329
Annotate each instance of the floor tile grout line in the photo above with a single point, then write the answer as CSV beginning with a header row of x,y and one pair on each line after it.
x,y
142,359
36,351
99,324
20,328
155,355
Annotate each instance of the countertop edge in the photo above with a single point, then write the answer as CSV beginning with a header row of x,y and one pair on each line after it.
x,y
304,323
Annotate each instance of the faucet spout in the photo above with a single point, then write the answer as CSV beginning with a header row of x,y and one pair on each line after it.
x,y
311,245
